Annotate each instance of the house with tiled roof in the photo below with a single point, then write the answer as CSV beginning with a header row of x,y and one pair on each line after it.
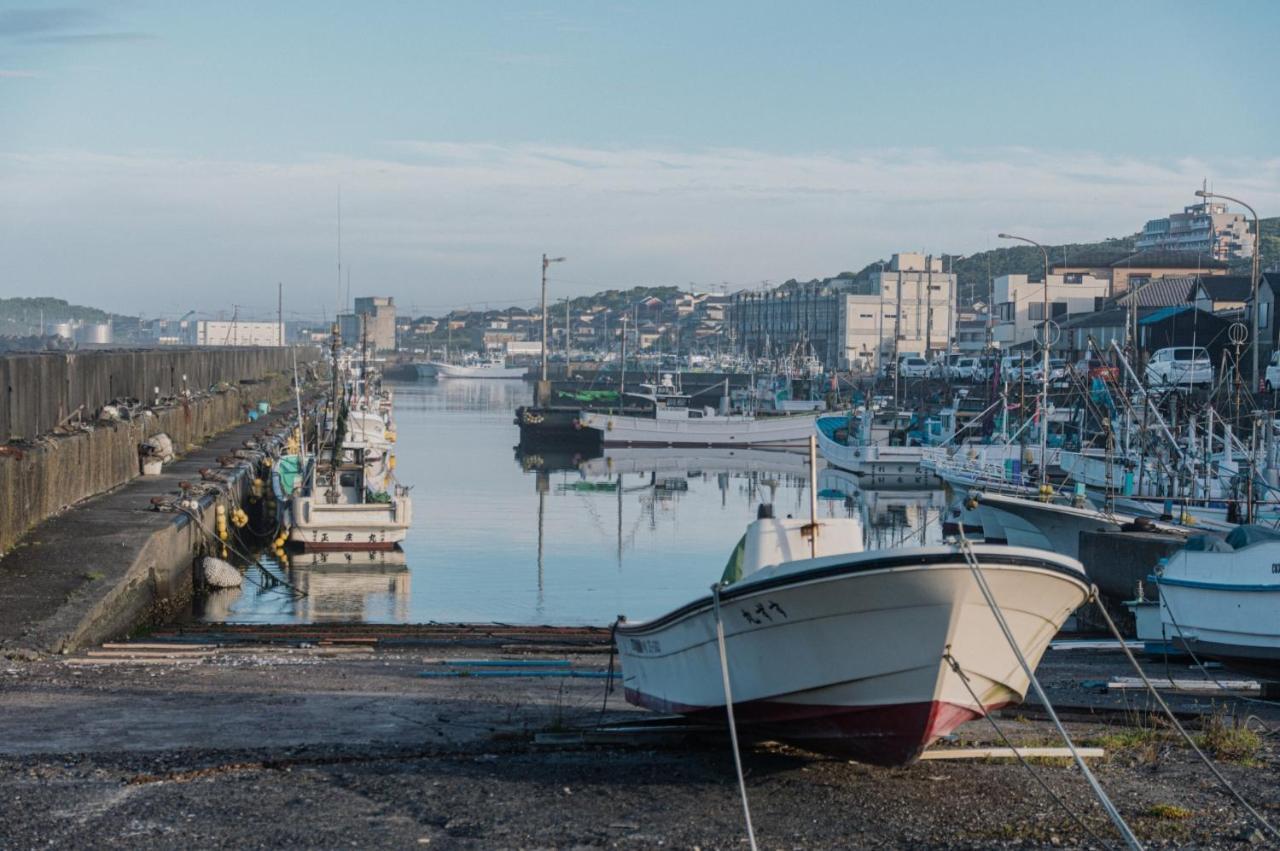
x,y
1128,269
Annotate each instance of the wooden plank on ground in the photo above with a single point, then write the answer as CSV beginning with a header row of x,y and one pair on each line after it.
x,y
1010,753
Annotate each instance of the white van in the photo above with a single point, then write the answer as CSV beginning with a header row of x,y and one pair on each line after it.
x,y
1180,366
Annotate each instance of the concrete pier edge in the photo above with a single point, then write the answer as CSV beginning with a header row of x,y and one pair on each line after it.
x,y
111,564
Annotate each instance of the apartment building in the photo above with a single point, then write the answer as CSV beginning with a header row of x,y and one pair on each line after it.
x,y
1207,228
374,319
1020,304
910,309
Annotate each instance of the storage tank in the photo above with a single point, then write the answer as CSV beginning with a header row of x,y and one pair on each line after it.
x,y
94,334
64,329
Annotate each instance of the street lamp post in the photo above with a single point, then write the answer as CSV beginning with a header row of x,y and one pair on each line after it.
x,y
543,389
1044,383
1254,277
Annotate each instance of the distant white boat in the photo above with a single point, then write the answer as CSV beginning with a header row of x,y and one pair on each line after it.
x,y
677,422
843,651
495,366
1224,603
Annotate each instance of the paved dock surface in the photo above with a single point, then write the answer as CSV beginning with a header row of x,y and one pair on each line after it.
x,y
65,567
327,738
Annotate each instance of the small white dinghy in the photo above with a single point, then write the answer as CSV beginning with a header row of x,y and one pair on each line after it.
x,y
845,651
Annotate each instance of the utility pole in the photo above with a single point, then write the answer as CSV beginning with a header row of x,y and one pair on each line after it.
x,y
544,386
1253,277
928,294
1044,384
280,309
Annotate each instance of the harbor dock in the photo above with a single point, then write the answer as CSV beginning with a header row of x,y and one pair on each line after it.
x,y
309,735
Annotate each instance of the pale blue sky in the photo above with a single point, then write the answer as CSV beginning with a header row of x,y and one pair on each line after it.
x,y
161,154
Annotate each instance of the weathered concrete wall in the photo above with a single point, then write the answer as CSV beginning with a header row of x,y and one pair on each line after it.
x,y
37,391
41,479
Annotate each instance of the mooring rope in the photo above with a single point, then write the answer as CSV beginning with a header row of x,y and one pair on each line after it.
x,y
1035,775
1257,816
728,705
1114,814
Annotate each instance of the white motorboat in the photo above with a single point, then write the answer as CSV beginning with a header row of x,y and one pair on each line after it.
x,y
844,651
676,422
494,366
1223,602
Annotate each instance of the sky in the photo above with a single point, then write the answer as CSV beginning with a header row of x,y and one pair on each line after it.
x,y
160,157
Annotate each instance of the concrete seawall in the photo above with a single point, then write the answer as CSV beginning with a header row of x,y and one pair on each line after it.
x,y
38,391
40,477
113,563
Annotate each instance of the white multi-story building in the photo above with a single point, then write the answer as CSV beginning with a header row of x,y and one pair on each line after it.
x,y
1019,303
217,332
911,309
1206,228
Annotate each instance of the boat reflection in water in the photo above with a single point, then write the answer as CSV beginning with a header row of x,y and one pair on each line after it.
x,y
891,516
332,587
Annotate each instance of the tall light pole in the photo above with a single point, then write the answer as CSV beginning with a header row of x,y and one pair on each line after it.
x,y
1254,278
546,261
1044,383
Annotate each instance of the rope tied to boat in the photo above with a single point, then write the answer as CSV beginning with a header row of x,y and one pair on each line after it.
x,y
728,706
1226,784
1114,814
613,646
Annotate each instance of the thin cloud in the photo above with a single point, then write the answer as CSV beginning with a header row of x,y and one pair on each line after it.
x,y
16,74
17,23
63,26
92,38
429,222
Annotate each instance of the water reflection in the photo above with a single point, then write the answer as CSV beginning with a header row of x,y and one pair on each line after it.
x,y
556,536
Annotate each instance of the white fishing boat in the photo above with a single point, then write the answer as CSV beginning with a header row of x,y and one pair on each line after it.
x,y
676,422
328,507
493,366
1029,522
1223,602
845,651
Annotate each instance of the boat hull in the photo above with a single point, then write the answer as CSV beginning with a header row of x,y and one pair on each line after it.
x,y
449,370
1225,605
848,656
367,526
620,430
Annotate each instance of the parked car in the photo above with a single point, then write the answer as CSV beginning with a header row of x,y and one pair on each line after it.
x,y
1180,366
1093,366
1016,367
1057,370
913,366
1271,378
964,369
945,365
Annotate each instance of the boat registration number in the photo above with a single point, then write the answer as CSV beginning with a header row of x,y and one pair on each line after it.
x,y
645,646
318,537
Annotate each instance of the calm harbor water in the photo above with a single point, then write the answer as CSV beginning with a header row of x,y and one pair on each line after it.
x,y
547,538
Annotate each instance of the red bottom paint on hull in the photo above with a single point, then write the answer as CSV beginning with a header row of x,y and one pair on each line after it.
x,y
361,546
890,735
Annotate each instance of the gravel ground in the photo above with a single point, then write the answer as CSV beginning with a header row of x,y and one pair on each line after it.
x,y
284,748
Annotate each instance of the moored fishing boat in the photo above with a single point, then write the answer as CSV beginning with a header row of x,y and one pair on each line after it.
x,y
850,652
675,422
1222,601
492,367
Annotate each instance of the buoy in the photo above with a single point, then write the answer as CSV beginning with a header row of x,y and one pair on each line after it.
x,y
220,574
